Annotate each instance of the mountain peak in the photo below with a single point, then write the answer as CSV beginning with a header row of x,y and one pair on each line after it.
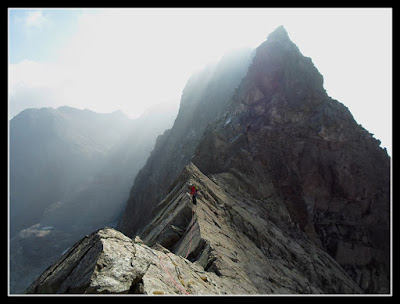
x,y
279,33
279,69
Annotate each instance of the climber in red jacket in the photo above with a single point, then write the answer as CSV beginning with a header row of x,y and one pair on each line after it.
x,y
193,193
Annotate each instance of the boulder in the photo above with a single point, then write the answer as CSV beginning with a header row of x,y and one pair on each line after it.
x,y
108,262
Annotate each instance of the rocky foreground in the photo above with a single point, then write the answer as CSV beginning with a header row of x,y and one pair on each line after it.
x,y
109,262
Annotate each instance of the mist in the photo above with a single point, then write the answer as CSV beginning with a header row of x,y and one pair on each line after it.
x,y
130,59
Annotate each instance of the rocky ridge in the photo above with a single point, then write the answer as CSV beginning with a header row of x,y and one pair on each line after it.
x,y
234,236
203,99
231,247
294,194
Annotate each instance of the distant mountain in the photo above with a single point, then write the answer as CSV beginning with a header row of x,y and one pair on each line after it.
x,y
101,200
52,151
70,172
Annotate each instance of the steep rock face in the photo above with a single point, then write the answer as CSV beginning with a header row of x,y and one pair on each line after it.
x,y
233,235
284,137
203,99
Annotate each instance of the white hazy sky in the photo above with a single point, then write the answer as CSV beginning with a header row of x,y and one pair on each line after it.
x,y
130,59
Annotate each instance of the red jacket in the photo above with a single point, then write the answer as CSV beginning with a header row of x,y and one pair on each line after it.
x,y
192,190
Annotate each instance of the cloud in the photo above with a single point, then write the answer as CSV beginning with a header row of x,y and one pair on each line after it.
x,y
26,97
31,74
131,59
120,59
35,19
34,85
126,59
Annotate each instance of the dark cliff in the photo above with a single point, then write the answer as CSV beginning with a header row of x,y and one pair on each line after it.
x,y
287,140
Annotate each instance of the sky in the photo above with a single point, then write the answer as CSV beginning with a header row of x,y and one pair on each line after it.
x,y
131,59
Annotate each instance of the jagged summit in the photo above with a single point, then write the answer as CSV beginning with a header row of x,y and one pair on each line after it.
x,y
279,33
288,141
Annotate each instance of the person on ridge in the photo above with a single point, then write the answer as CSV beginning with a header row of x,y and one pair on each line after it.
x,y
193,193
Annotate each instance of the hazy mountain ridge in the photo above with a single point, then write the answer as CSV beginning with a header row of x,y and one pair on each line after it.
x,y
54,150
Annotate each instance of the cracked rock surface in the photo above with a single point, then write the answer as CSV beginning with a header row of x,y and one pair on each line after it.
x,y
109,262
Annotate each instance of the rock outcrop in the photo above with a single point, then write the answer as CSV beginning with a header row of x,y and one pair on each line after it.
x,y
109,262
